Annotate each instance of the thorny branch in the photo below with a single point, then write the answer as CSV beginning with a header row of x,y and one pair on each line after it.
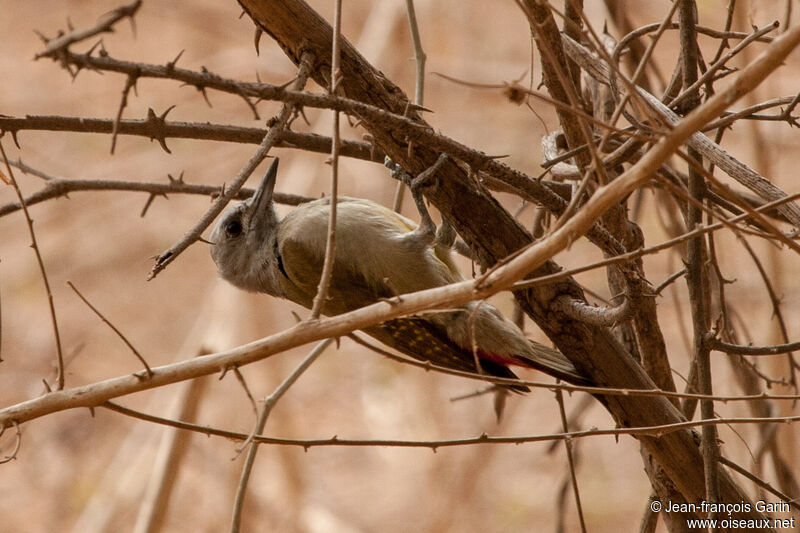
x,y
661,129
163,129
60,187
655,431
55,47
227,195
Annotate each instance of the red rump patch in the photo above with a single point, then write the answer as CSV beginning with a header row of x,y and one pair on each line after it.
x,y
502,359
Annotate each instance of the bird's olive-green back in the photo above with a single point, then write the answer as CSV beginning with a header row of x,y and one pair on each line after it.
x,y
375,255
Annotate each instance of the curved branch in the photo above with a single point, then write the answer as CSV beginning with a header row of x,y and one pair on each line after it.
x,y
740,349
593,314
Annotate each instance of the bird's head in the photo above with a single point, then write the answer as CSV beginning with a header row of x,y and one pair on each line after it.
x,y
243,240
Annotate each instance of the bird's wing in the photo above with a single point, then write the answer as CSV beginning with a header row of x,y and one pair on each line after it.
x,y
301,251
373,259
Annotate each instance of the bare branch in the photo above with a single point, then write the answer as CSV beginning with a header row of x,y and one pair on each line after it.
x,y
707,148
311,142
330,242
42,271
738,349
193,234
655,431
141,359
58,187
269,403
592,314
570,460
55,47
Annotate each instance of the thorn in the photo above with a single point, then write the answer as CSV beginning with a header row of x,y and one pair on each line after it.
x,y
302,111
147,204
158,124
133,20
95,45
415,107
283,86
257,38
202,90
174,181
171,64
500,397
41,36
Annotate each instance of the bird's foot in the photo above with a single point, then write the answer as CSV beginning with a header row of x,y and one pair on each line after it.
x,y
426,231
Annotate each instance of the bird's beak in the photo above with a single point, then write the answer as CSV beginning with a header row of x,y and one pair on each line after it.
x,y
262,198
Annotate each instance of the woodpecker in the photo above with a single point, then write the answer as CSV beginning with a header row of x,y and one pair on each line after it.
x,y
379,254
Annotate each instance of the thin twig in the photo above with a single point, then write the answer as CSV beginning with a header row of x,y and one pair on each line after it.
x,y
776,306
330,244
760,482
653,431
711,32
113,328
269,403
106,25
17,444
568,447
96,393
696,253
42,270
166,257
645,251
708,74
599,391
731,166
130,83
419,86
243,383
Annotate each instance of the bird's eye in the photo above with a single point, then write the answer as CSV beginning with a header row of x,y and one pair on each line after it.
x,y
233,228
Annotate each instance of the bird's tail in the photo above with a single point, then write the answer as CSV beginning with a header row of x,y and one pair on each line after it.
x,y
554,363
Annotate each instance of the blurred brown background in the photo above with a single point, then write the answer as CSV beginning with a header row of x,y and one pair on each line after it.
x,y
83,473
